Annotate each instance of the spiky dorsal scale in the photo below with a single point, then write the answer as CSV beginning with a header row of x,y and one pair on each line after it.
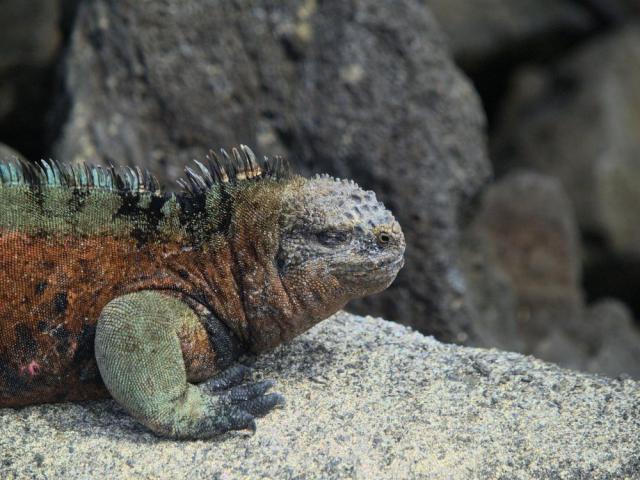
x,y
241,165
54,198
51,173
225,187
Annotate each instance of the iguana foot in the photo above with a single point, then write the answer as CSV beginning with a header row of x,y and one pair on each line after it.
x,y
236,408
250,397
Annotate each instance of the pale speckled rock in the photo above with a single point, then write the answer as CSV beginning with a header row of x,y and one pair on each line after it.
x,y
366,399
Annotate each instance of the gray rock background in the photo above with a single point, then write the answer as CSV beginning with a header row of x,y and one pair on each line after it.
x,y
366,399
8,152
484,30
31,38
543,258
359,89
28,48
523,245
579,121
522,261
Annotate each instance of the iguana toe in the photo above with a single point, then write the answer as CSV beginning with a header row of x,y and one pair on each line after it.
x,y
248,391
232,376
262,405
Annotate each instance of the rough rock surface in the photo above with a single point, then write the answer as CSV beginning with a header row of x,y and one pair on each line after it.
x,y
481,30
30,40
526,231
522,262
366,399
579,121
358,88
7,152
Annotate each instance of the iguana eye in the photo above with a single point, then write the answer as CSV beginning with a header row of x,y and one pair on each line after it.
x,y
332,237
383,237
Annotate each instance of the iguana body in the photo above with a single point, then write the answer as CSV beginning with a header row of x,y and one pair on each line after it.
x,y
108,286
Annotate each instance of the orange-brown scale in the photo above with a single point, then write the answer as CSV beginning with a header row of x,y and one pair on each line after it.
x,y
54,288
276,307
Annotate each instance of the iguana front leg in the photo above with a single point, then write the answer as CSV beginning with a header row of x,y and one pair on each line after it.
x,y
139,357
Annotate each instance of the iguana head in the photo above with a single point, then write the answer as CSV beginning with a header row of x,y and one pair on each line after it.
x,y
322,229
336,229
299,248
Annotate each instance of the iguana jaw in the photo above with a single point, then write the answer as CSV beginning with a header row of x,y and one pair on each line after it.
x,y
374,279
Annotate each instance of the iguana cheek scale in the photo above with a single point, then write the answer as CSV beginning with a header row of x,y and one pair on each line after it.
x,y
109,287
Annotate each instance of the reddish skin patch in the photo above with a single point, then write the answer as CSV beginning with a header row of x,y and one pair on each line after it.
x,y
32,369
89,272
83,274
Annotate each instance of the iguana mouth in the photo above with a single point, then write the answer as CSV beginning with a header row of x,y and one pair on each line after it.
x,y
391,266
394,262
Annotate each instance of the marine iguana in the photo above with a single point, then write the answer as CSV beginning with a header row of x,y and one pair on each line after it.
x,y
110,287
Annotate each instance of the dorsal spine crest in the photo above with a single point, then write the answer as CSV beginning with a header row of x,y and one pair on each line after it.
x,y
219,169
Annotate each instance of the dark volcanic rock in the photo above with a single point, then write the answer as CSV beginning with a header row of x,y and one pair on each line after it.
x,y
482,30
30,40
490,34
579,121
29,33
526,230
7,152
615,340
608,342
522,262
357,88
